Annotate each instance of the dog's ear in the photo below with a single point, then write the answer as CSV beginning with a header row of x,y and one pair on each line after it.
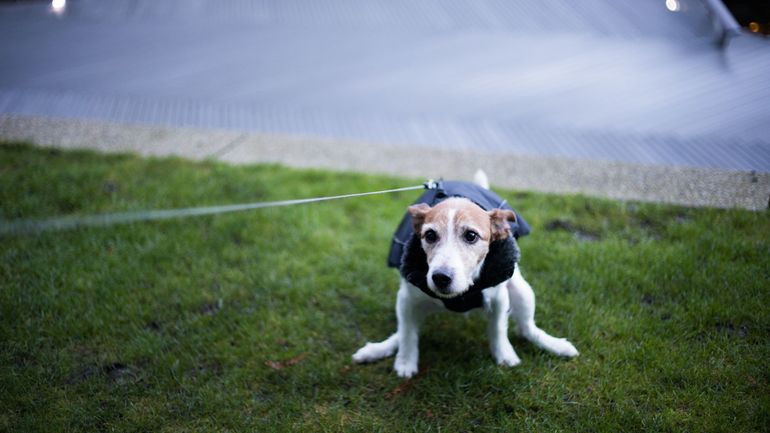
x,y
418,212
499,219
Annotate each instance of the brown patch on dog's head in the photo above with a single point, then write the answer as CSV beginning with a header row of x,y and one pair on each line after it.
x,y
499,219
418,213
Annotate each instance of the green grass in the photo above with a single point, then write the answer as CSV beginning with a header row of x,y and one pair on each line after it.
x,y
171,326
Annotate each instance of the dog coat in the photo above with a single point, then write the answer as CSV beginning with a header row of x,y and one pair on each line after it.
x,y
407,255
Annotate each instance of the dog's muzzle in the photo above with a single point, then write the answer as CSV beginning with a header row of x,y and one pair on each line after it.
x,y
442,281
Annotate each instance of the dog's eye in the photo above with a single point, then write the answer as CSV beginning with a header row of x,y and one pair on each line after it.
x,y
470,236
430,236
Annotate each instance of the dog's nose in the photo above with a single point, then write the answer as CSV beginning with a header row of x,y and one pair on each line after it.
x,y
442,280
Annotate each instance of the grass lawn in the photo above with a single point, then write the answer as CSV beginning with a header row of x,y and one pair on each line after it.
x,y
246,322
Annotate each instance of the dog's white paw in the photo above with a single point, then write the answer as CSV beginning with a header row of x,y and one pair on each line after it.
x,y
505,355
363,354
369,353
405,368
562,347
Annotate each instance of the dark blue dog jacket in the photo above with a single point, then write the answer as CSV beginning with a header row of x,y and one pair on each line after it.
x,y
407,255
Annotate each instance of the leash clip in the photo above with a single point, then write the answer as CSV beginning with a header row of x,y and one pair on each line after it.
x,y
432,184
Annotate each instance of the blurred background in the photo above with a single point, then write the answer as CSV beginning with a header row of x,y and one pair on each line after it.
x,y
663,82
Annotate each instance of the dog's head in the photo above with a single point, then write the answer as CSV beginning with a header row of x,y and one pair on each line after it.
x,y
455,235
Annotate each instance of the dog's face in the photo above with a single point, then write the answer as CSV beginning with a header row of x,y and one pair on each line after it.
x,y
455,235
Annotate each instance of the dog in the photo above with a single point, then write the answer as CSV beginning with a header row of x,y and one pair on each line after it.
x,y
462,254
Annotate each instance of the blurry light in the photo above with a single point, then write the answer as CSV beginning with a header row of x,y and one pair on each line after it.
x,y
754,27
673,5
58,6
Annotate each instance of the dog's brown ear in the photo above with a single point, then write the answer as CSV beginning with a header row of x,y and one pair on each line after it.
x,y
418,212
499,219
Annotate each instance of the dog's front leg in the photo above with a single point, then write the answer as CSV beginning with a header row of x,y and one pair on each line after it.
x,y
522,300
410,316
496,304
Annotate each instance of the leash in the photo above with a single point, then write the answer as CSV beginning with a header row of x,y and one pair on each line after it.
x,y
27,226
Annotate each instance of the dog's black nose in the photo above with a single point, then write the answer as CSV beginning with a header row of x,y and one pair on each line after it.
x,y
442,280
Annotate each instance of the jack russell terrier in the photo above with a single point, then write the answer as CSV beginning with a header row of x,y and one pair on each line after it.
x,y
456,247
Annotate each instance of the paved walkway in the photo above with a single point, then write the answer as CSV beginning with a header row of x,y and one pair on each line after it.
x,y
613,83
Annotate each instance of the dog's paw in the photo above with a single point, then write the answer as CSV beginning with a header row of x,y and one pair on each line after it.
x,y
562,347
368,353
363,355
404,368
505,355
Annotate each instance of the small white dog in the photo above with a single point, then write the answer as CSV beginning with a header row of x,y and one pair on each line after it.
x,y
461,256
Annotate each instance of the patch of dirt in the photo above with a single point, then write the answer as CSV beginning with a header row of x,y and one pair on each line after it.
x,y
81,376
120,373
212,367
117,372
236,238
651,229
578,233
280,365
732,330
153,326
648,300
211,308
110,187
559,224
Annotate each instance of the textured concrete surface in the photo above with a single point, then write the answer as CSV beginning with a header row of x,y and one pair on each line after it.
x,y
679,185
612,80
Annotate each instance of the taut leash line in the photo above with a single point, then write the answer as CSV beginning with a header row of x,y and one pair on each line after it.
x,y
25,226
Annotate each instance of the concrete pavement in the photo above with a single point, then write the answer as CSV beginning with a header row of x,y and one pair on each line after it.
x,y
619,98
612,80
